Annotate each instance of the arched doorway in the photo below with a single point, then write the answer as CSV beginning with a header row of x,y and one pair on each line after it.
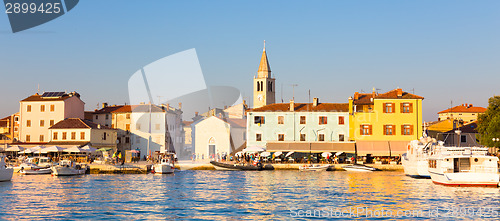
x,y
211,148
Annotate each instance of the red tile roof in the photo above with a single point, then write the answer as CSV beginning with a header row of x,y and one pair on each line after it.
x,y
236,122
108,109
76,123
464,108
138,108
365,98
304,107
38,97
187,123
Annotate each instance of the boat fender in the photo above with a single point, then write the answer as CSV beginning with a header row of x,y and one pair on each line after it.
x,y
408,146
259,165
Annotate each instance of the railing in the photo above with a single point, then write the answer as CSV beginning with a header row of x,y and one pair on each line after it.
x,y
474,169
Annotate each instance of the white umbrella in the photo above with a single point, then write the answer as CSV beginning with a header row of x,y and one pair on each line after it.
x,y
277,154
254,149
338,153
289,153
36,149
89,148
25,151
74,150
15,148
326,154
265,154
53,149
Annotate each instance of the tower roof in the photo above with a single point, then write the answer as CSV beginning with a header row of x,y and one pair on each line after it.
x,y
264,68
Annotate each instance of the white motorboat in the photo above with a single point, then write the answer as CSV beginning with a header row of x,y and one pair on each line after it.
x,y
68,168
315,167
414,161
463,166
166,165
359,168
5,172
35,171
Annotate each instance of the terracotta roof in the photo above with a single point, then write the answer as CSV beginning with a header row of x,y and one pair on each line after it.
x,y
38,97
108,109
236,122
123,109
187,123
139,108
75,123
73,143
464,108
304,107
365,98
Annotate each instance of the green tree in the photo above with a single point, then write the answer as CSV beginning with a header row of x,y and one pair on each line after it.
x,y
489,123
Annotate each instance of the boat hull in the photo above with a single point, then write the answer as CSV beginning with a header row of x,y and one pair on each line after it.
x,y
465,179
314,168
228,166
66,171
6,174
36,171
416,169
163,168
358,168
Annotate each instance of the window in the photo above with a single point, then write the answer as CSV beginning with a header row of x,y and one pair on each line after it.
x,y
302,137
366,129
104,135
321,137
302,119
16,119
42,123
15,129
138,126
388,107
281,119
432,164
127,116
54,136
119,140
42,108
157,126
406,108
341,120
112,125
28,123
406,129
41,138
258,137
51,123
259,120
73,135
82,135
28,108
64,135
97,117
107,116
52,108
341,137
127,139
463,138
389,130
28,138
281,137
322,120
127,127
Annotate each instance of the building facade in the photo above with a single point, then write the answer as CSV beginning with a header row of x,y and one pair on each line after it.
x,y
9,129
39,112
465,112
78,132
216,137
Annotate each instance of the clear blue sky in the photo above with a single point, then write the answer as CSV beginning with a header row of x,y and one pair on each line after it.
x,y
444,50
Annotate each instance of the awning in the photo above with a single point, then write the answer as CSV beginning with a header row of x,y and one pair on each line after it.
x,y
381,148
306,147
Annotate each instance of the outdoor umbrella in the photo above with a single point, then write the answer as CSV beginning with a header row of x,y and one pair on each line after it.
x,y
265,154
277,154
338,153
289,154
89,148
53,149
104,149
326,154
15,148
254,149
75,150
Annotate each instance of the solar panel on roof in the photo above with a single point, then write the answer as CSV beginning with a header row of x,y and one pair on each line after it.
x,y
53,94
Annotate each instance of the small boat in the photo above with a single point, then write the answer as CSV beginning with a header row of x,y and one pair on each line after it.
x,y
5,172
67,168
359,168
463,166
165,166
240,166
36,171
314,167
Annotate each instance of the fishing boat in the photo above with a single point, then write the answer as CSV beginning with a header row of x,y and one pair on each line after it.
x,y
240,166
36,171
463,166
414,161
5,172
164,166
315,167
359,168
68,168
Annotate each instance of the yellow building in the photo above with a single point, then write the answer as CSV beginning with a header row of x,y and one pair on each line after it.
x,y
383,124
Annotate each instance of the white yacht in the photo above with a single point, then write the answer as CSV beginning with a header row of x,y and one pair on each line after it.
x,y
316,167
166,165
463,166
5,173
68,168
414,161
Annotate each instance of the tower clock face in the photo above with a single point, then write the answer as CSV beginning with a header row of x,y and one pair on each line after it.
x,y
260,97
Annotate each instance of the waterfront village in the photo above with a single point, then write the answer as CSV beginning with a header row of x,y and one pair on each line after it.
x,y
376,127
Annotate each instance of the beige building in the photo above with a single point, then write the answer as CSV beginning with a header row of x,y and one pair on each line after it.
x,y
465,112
9,129
121,121
104,116
188,140
264,85
77,132
39,112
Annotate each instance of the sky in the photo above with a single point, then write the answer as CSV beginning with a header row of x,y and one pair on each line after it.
x,y
445,51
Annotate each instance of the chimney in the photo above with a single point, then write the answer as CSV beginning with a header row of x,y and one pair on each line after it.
x,y
180,105
104,105
470,105
400,92
168,106
356,95
292,105
225,106
196,114
315,102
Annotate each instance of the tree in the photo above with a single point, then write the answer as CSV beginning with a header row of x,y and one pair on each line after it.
x,y
488,124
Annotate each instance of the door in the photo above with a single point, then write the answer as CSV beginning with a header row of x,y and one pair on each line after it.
x,y
211,151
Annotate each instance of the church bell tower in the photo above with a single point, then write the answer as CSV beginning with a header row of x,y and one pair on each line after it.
x,y
263,85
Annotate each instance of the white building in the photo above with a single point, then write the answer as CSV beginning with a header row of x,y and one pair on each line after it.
x,y
217,136
39,112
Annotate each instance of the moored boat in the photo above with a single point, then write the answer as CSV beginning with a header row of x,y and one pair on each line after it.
x,y
68,168
315,167
241,166
414,161
5,172
359,168
463,166
36,171
165,166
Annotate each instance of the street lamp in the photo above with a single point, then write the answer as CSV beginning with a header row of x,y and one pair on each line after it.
x,y
495,140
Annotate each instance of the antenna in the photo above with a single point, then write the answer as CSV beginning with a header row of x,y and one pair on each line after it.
x,y
309,101
281,92
38,90
293,90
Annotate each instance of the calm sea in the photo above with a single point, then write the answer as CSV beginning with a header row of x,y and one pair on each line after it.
x,y
242,195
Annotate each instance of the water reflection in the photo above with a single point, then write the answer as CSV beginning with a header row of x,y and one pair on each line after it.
x,y
228,195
